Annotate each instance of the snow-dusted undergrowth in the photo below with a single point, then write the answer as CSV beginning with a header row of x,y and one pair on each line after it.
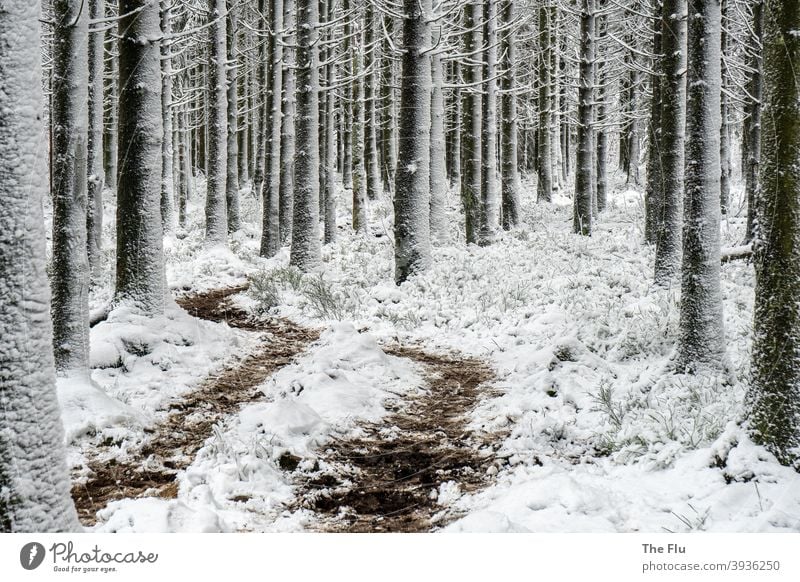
x,y
598,433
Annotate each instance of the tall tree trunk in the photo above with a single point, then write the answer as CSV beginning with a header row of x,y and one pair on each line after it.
x,y
70,277
601,132
725,129
359,170
305,252
263,105
489,195
288,131
94,151
232,95
216,188
167,175
347,99
110,112
140,255
632,138
755,88
673,121
438,162
471,125
412,190
330,138
371,167
544,163
582,214
654,193
510,176
455,130
702,338
773,400
271,224
388,122
34,482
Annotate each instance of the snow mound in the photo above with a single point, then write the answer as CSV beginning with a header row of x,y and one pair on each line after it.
x,y
153,515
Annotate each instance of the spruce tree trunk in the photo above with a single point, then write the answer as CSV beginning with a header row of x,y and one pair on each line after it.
x,y
388,122
34,484
110,113
412,189
263,105
455,130
94,150
232,94
371,167
359,171
673,121
753,137
305,252
330,149
183,167
438,161
510,175
632,139
70,266
702,338
288,131
271,225
773,401
140,255
544,163
347,99
582,209
167,175
489,195
725,130
654,188
216,193
471,125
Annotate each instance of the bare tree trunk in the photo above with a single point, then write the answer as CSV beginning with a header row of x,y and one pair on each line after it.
x,y
438,162
271,223
725,129
330,150
773,400
673,122
34,481
216,199
288,131
359,170
544,159
94,151
654,188
510,176
412,191
70,277
755,88
232,94
489,195
702,337
471,126
167,176
305,252
140,256
371,167
582,215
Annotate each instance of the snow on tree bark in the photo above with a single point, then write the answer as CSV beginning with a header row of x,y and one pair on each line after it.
x,y
262,105
509,166
489,187
725,129
287,124
270,225
34,485
544,162
673,121
167,174
94,150
471,125
702,338
110,114
217,104
753,126
412,187
653,188
232,94
584,171
140,254
371,167
773,401
359,171
330,150
305,252
69,118
438,162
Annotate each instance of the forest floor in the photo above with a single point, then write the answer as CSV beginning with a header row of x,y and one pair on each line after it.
x,y
520,386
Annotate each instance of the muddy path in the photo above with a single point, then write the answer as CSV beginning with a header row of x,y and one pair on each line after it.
x,y
173,443
389,480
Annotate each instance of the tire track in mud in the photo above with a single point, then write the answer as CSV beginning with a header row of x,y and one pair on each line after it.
x,y
389,480
174,442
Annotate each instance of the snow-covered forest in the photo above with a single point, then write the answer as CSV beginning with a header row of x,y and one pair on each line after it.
x,y
399,265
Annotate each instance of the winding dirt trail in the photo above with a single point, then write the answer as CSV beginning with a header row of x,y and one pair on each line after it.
x,y
386,481
175,441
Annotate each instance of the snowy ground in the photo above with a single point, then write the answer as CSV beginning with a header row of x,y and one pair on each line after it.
x,y
596,435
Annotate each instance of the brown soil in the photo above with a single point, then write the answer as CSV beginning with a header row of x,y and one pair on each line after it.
x,y
175,441
388,480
